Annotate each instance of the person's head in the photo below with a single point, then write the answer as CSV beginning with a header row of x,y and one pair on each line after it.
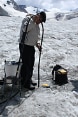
x,y
40,17
43,16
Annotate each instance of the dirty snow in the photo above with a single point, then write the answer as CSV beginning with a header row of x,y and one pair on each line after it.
x,y
60,46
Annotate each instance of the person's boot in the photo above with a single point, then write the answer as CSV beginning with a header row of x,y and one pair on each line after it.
x,y
33,83
29,87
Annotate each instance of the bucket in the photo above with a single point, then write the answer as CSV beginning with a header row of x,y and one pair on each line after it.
x,y
11,68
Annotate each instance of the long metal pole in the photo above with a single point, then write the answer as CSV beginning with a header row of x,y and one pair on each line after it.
x,y
40,56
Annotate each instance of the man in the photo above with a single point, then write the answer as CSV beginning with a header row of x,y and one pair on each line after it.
x,y
29,37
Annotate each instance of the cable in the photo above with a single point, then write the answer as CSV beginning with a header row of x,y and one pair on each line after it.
x,y
40,55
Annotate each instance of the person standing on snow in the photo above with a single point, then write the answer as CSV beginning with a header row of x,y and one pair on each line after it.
x,y
26,46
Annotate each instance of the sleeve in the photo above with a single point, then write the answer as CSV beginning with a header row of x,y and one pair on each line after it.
x,y
30,26
24,24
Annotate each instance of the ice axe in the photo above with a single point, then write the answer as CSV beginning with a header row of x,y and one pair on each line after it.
x,y
40,55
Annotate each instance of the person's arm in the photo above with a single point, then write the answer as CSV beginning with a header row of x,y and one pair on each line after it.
x,y
38,44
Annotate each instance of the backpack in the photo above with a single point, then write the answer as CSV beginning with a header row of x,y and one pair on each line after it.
x,y
59,75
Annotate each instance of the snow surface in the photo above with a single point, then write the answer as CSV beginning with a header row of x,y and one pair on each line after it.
x,y
60,46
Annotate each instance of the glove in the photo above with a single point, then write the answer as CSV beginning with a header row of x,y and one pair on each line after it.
x,y
39,46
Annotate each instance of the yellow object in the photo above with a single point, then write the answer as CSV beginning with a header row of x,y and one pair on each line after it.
x,y
62,71
45,85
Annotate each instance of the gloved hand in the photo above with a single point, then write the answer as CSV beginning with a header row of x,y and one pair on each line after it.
x,y
39,46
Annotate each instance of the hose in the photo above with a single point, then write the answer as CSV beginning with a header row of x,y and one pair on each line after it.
x,y
40,56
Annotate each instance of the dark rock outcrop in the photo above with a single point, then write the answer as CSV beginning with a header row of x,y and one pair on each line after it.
x,y
59,16
3,12
66,16
17,7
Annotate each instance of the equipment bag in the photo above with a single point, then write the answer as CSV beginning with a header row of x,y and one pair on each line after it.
x,y
59,75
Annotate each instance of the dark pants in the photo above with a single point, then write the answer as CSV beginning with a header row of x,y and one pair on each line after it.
x,y
27,54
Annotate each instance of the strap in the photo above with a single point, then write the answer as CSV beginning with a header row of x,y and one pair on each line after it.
x,y
25,33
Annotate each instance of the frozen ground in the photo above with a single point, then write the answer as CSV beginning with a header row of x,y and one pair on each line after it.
x,y
60,46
